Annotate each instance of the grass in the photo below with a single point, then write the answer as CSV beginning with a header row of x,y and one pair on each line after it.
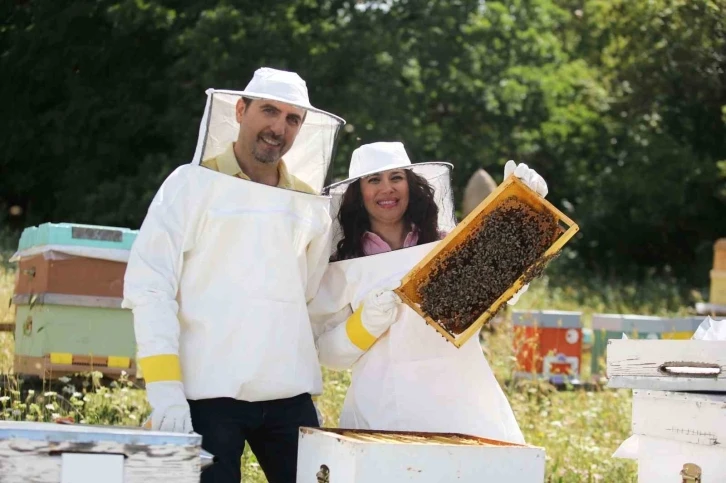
x,y
579,430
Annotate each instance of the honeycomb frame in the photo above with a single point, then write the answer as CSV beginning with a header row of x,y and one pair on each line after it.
x,y
419,274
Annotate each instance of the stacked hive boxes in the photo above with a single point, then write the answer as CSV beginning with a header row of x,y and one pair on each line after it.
x,y
68,293
548,343
606,327
360,456
679,406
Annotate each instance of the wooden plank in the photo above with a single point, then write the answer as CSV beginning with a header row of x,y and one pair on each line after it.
x,y
28,461
68,299
690,418
72,275
32,452
661,460
710,309
676,365
42,367
512,186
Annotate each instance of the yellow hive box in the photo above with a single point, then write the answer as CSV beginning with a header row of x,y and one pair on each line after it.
x,y
419,275
718,287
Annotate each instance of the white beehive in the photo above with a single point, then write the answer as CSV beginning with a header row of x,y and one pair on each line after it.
x,y
359,456
678,428
679,406
693,418
57,453
668,365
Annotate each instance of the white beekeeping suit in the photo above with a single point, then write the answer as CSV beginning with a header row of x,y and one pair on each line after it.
x,y
405,376
222,269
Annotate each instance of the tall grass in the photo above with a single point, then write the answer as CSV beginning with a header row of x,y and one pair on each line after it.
x,y
579,430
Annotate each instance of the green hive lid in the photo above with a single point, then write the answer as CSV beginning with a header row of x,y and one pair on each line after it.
x,y
72,234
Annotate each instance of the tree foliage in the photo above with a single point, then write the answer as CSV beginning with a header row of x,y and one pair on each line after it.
x,y
620,105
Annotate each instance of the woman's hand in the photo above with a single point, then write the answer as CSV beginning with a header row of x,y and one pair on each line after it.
x,y
380,308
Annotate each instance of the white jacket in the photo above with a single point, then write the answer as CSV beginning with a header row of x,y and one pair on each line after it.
x,y
218,280
411,379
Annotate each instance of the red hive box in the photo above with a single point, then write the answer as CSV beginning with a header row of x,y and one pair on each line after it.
x,y
548,344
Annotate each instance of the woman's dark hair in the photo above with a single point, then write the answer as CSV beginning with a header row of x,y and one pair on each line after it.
x,y
355,221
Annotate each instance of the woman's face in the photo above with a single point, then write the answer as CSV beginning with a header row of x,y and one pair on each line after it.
x,y
385,195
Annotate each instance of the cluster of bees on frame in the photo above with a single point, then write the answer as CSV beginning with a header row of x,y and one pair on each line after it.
x,y
508,243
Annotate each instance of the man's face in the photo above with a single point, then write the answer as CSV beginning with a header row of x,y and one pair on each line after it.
x,y
267,128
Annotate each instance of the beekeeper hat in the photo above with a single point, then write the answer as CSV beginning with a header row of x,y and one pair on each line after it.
x,y
309,157
378,157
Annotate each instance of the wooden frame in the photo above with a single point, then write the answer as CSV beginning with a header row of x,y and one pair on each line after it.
x,y
512,186
44,367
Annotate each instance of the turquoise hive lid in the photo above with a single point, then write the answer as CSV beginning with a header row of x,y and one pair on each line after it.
x,y
72,234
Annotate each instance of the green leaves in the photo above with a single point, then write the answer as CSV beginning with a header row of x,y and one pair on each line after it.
x,y
618,104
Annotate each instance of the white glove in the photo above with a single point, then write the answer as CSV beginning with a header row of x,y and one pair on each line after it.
x,y
380,308
515,297
528,176
170,409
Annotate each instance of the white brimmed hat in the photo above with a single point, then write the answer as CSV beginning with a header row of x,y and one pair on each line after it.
x,y
310,155
378,157
282,86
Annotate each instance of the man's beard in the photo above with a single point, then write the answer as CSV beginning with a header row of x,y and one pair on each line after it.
x,y
266,156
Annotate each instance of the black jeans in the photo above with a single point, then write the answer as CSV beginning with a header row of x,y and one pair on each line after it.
x,y
270,428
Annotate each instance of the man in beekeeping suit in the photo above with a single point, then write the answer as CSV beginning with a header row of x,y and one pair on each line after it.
x,y
232,248
388,215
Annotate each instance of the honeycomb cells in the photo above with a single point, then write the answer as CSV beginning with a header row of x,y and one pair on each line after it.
x,y
508,243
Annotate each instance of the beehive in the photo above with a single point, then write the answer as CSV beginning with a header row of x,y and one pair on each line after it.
x,y
68,293
361,456
56,453
612,326
667,365
719,255
679,406
548,343
70,275
513,195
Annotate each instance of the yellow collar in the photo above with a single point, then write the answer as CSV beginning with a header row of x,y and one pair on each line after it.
x,y
227,163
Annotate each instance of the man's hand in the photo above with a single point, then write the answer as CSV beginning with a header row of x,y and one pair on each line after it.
x,y
380,308
527,175
170,409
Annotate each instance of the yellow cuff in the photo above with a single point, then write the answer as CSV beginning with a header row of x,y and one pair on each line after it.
x,y
163,367
358,334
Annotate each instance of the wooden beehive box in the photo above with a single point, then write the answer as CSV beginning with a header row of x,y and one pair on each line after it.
x,y
360,456
548,343
512,190
57,335
612,326
55,453
68,294
694,418
667,365
673,429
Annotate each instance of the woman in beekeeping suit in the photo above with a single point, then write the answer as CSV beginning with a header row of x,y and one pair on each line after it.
x,y
232,249
405,376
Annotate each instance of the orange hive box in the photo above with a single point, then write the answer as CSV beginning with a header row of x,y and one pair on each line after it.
x,y
512,190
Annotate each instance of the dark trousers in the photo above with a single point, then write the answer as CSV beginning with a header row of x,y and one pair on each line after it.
x,y
270,428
